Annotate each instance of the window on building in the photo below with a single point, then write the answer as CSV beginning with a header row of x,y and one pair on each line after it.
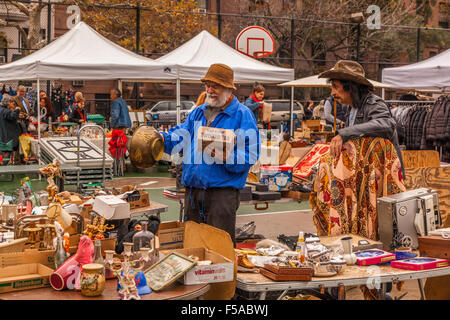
x,y
255,4
202,4
3,49
22,40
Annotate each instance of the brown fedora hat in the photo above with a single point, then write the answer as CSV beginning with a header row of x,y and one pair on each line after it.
x,y
347,70
220,74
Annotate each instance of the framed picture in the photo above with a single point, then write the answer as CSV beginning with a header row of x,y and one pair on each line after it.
x,y
169,269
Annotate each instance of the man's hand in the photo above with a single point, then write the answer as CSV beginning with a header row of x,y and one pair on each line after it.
x,y
336,146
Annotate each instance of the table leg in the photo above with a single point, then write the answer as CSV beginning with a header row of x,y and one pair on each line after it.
x,y
341,292
422,292
181,210
283,294
382,292
262,296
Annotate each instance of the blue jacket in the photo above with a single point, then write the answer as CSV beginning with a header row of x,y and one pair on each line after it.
x,y
120,116
253,106
198,170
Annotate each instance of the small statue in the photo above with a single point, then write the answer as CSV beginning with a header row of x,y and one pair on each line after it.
x,y
90,228
52,170
101,228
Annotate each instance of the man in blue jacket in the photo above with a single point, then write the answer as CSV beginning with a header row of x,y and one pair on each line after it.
x,y
213,178
120,116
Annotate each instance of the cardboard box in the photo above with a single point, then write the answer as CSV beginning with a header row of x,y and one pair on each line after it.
x,y
44,257
111,207
107,243
221,269
278,178
171,235
223,139
313,125
23,277
266,112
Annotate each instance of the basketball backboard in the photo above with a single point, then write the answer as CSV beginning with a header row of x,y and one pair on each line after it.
x,y
255,42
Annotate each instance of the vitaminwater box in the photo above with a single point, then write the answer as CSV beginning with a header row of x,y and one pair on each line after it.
x,y
277,178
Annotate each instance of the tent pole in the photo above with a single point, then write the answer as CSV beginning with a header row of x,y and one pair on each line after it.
x,y
382,93
119,85
334,125
292,113
178,101
39,123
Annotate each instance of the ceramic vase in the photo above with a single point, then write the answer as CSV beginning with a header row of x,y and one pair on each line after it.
x,y
92,280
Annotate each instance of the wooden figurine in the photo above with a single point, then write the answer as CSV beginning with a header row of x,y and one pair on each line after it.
x,y
52,170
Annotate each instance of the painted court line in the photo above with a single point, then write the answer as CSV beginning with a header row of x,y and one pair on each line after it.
x,y
267,213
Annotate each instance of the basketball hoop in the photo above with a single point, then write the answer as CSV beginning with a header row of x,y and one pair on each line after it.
x,y
260,54
255,42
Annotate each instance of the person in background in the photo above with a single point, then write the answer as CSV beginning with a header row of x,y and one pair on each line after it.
x,y
318,111
309,109
10,129
120,115
341,112
201,99
141,100
46,103
78,114
25,108
255,101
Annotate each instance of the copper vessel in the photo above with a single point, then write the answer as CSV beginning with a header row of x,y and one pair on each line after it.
x,y
146,147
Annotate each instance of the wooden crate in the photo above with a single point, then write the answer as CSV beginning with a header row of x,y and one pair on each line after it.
x,y
420,158
434,247
436,178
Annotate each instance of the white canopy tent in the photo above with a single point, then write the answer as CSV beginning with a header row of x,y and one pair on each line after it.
x,y
84,54
432,74
192,60
316,82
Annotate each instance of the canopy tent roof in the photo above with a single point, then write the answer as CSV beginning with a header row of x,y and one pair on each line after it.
x,y
193,58
315,81
83,54
432,74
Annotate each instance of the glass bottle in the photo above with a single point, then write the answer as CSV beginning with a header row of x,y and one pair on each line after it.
x,y
60,253
143,238
98,257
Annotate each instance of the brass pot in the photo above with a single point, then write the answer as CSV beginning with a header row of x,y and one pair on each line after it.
x,y
146,147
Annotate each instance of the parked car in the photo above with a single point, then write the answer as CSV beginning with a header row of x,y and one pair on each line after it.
x,y
281,110
165,112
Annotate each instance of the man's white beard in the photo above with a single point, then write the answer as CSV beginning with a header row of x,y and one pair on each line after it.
x,y
220,101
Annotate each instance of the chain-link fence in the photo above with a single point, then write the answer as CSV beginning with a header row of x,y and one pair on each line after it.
x,y
307,45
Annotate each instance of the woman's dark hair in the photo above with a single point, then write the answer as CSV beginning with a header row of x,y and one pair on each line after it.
x,y
258,88
357,91
48,105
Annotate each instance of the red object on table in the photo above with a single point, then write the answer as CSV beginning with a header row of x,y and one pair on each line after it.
x,y
117,144
67,275
304,167
420,263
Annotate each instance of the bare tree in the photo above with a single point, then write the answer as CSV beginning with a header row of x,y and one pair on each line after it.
x,y
32,39
317,40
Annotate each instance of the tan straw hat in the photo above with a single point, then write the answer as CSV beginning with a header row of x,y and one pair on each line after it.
x,y
347,70
220,74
